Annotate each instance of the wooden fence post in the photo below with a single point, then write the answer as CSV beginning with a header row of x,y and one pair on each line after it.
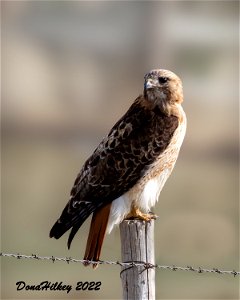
x,y
137,245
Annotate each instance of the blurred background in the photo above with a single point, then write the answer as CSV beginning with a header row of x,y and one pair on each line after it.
x,y
69,72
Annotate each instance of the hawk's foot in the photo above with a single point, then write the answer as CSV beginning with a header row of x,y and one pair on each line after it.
x,y
153,216
135,213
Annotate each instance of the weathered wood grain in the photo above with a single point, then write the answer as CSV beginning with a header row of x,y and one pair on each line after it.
x,y
137,244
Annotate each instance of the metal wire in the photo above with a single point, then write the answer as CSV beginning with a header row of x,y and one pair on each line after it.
x,y
145,265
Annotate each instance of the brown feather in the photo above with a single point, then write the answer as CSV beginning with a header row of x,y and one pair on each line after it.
x,y
96,234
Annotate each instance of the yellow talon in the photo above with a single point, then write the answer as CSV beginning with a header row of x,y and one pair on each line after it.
x,y
135,213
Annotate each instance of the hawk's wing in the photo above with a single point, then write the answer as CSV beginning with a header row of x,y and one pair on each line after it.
x,y
116,165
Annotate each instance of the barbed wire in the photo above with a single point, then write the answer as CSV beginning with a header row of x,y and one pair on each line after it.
x,y
145,265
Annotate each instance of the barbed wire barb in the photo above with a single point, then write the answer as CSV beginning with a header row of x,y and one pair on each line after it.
x,y
145,265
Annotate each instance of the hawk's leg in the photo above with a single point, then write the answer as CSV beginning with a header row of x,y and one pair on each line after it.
x,y
136,213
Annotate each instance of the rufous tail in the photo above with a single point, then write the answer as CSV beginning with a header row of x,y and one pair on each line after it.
x,y
96,234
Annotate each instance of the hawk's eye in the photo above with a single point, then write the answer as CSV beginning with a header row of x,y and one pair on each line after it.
x,y
162,79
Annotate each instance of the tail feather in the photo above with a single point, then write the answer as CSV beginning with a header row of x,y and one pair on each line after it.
x,y
96,233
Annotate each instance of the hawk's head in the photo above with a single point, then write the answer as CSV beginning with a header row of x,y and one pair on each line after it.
x,y
163,87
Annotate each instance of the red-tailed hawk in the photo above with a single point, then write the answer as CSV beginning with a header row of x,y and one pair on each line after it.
x,y
126,173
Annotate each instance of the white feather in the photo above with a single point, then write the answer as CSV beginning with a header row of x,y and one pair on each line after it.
x,y
119,210
121,207
151,191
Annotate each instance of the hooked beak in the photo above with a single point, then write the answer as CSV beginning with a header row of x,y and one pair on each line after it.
x,y
149,84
